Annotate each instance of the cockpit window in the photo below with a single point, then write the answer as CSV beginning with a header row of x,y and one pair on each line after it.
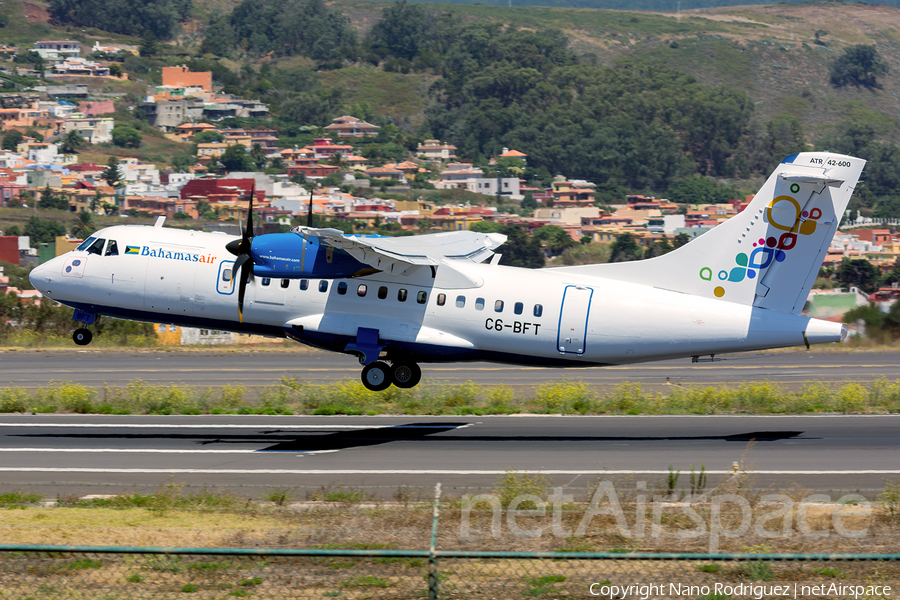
x,y
112,249
86,243
96,247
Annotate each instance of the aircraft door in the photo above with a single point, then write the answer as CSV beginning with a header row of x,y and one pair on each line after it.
x,y
573,319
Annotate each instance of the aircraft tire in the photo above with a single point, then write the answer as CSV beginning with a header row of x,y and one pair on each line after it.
x,y
376,376
406,375
82,336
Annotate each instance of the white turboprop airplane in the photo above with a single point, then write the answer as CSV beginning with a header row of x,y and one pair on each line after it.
x,y
397,302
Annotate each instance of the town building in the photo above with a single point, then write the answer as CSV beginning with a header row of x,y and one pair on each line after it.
x,y
348,126
182,77
435,150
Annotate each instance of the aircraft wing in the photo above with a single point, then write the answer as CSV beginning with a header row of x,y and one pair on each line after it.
x,y
397,255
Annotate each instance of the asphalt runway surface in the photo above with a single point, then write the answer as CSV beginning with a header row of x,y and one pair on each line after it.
x,y
257,369
106,454
76,454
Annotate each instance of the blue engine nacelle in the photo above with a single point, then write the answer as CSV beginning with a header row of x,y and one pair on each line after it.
x,y
290,256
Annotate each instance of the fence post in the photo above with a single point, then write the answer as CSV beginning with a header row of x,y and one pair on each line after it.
x,y
433,591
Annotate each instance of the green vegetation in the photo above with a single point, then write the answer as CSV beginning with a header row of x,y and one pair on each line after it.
x,y
292,397
860,66
159,17
18,497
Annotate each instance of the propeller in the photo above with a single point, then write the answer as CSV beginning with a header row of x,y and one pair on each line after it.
x,y
243,266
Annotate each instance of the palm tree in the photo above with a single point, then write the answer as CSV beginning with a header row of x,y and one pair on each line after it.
x,y
258,156
84,225
337,159
71,142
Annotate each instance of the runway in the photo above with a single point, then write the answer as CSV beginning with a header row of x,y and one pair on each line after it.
x,y
74,454
258,369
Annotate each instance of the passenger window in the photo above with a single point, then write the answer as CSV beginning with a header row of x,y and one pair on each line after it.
x,y
422,297
226,275
479,303
441,299
266,281
460,302
86,243
401,295
361,290
304,284
382,292
96,247
285,283
538,310
112,249
498,306
342,288
323,285
518,307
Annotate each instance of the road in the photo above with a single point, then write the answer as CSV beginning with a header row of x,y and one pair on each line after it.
x,y
253,454
95,368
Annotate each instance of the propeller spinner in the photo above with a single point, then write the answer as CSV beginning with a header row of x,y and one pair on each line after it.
x,y
243,266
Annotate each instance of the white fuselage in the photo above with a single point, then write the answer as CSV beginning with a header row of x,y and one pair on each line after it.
x,y
463,311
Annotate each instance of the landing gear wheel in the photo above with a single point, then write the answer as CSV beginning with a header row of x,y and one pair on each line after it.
x,y
82,336
376,376
406,375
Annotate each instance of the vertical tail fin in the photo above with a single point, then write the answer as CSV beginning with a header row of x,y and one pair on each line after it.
x,y
769,254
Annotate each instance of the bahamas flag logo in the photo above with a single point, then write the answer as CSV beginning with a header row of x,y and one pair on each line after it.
x,y
132,249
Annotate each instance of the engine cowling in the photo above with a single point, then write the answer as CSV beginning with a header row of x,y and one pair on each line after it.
x,y
290,256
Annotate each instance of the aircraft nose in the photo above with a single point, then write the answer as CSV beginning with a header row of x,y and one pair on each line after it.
x,y
41,276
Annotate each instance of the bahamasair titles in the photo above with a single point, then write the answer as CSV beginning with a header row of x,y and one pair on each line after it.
x,y
398,302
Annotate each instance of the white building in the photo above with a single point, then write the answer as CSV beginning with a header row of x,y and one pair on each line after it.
x,y
93,129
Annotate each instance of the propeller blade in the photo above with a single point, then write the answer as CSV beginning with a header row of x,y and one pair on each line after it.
x,y
309,215
248,233
246,266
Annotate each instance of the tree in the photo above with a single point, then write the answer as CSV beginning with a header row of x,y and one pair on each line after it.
x,y
115,69
860,273
699,190
71,143
84,225
149,46
235,158
894,276
258,156
49,200
43,231
625,248
528,202
12,139
859,66
554,237
112,174
126,137
208,137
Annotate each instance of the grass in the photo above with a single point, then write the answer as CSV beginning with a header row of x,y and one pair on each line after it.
x,y
289,396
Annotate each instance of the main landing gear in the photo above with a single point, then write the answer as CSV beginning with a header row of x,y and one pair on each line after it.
x,y
379,375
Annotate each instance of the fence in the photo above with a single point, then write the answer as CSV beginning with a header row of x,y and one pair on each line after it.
x,y
113,573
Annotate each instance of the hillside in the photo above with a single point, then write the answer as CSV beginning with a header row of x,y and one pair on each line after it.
x,y
768,51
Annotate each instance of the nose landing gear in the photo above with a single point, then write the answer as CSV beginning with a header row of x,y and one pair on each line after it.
x,y
82,336
378,376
